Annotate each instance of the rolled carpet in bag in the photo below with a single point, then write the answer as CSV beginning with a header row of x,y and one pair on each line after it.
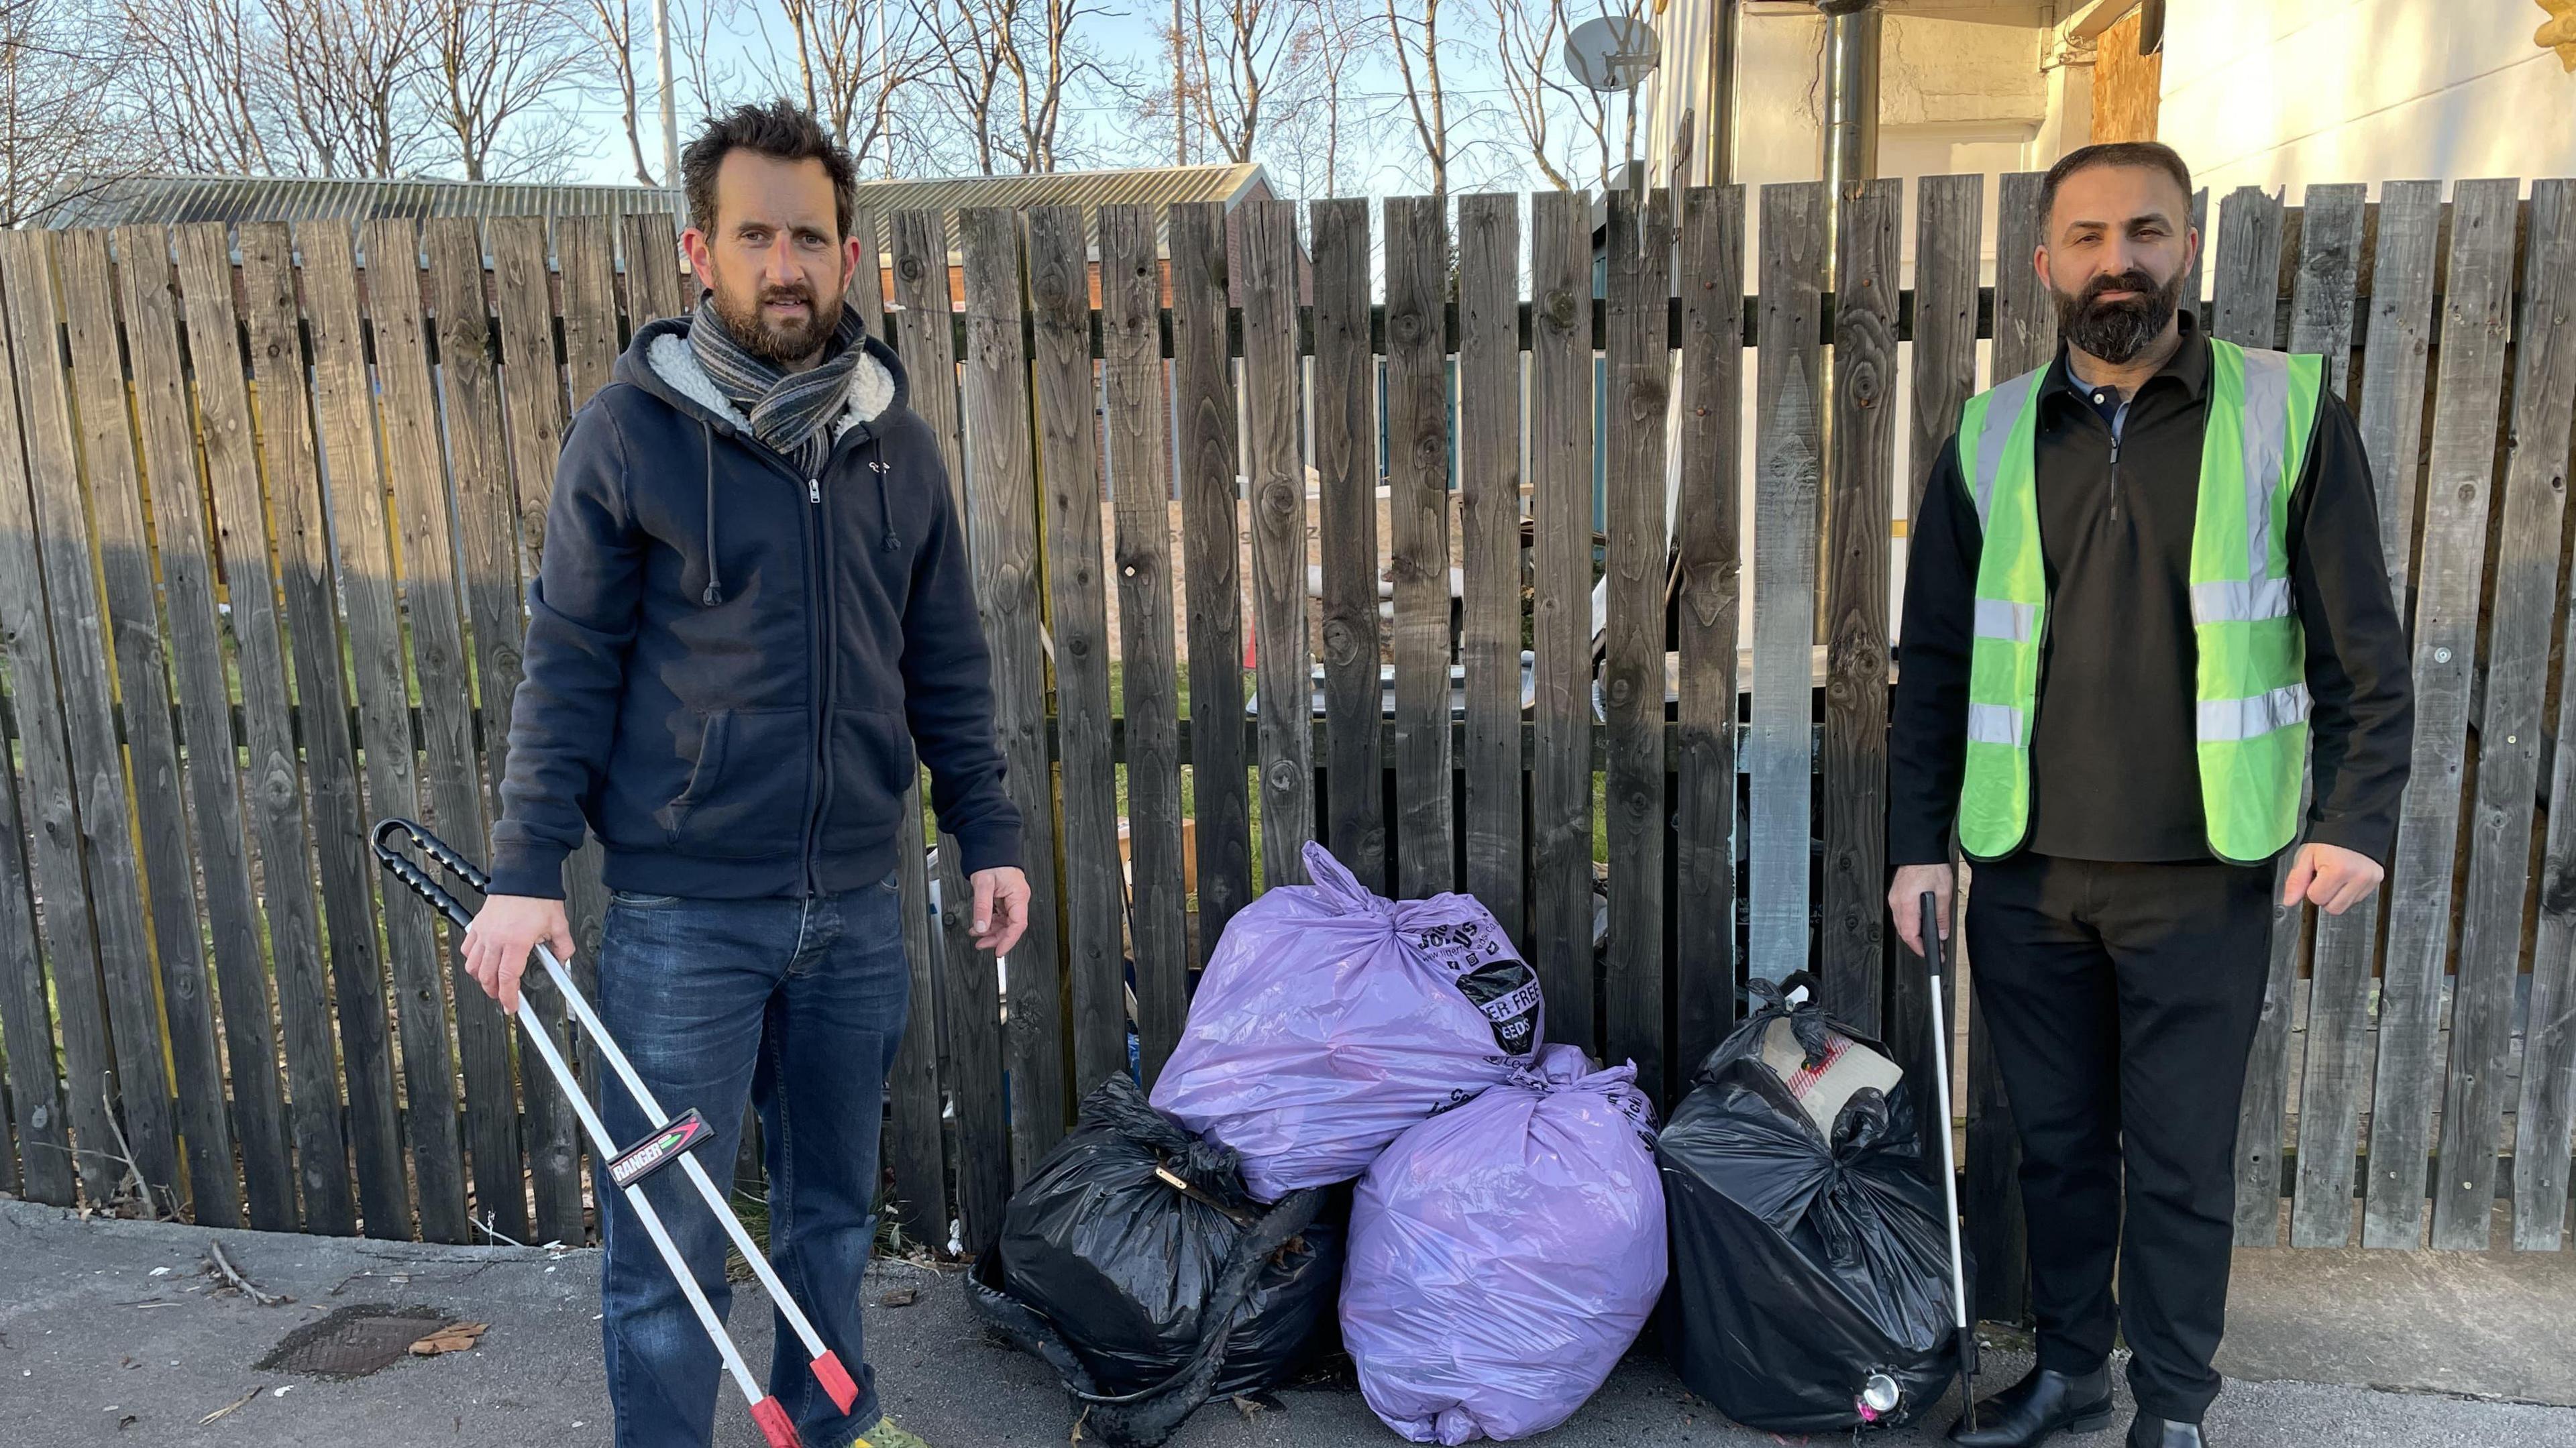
x,y
1803,1262
1505,1254
1330,1020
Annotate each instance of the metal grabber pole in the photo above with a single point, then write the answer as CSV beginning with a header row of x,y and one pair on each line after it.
x,y
628,1165
1965,1319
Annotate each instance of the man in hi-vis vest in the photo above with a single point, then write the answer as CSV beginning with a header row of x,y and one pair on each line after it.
x,y
2145,605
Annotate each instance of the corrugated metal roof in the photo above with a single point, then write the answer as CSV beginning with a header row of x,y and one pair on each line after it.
x,y
172,200
1136,186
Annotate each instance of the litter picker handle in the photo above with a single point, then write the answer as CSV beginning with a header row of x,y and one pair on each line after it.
x,y
1930,920
399,865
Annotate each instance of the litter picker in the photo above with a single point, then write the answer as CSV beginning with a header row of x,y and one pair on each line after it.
x,y
669,1140
1967,1328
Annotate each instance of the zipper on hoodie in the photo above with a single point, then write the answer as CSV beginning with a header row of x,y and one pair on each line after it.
x,y
819,660
2119,425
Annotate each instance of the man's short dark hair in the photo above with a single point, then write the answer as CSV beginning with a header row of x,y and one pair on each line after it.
x,y
2154,155
782,131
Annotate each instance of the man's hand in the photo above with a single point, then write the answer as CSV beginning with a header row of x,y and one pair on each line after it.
x,y
1905,902
1001,908
503,932
2331,877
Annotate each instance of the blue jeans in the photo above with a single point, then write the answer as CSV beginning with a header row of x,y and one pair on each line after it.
x,y
797,1005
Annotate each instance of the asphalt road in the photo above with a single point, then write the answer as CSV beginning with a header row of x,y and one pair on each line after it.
x,y
95,1348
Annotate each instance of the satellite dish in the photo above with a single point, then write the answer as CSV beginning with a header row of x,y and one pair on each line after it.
x,y
1612,53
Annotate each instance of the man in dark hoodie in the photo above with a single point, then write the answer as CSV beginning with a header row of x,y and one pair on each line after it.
x,y
754,603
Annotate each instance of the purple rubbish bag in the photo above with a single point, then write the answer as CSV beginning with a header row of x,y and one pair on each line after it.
x,y
1505,1255
1329,1020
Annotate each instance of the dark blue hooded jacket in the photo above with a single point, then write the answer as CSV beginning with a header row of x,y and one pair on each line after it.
x,y
729,664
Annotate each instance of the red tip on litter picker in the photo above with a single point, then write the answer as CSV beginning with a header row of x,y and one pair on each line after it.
x,y
774,1424
836,1381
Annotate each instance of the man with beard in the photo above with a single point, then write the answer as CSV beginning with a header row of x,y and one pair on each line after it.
x,y
2145,589
754,602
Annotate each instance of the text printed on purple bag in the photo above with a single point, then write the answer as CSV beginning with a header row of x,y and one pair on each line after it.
x,y
1491,974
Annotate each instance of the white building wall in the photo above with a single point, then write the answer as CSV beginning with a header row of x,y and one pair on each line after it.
x,y
2285,93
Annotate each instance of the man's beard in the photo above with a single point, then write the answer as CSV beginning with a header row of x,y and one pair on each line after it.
x,y
2117,331
785,346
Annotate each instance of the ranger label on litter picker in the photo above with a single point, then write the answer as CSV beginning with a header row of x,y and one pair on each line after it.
x,y
660,1149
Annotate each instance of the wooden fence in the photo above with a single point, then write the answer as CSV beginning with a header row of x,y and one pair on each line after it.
x,y
269,501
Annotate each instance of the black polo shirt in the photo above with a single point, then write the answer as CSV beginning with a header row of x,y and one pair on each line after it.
x,y
2114,766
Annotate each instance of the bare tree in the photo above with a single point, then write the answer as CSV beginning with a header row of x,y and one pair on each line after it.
x,y
280,87
1306,127
1554,113
58,142
713,84
1343,38
206,71
1415,32
611,27
346,82
1010,67
850,60
1046,62
498,75
1529,37
967,41
1239,48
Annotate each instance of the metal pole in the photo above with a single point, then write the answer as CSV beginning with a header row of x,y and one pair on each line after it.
x,y
1851,92
670,113
1717,139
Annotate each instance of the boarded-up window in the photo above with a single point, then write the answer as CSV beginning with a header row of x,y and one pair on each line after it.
x,y
2125,85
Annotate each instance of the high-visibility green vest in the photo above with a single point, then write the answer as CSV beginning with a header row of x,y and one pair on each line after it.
x,y
2252,684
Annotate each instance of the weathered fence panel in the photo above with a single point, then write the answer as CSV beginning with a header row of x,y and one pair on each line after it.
x,y
1708,573
346,553
2390,412
2478,289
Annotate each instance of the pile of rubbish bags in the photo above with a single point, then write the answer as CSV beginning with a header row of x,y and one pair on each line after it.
x,y
1515,1217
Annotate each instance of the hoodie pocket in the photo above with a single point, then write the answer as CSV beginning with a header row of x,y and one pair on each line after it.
x,y
745,798
872,766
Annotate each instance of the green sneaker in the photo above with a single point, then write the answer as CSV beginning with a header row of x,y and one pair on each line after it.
x,y
886,1435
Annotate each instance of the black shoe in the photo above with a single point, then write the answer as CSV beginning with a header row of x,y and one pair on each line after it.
x,y
2038,1408
2150,1431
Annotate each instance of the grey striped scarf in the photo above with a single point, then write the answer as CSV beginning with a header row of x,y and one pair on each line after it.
x,y
789,411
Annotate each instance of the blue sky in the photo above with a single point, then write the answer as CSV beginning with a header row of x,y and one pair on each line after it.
x,y
1387,160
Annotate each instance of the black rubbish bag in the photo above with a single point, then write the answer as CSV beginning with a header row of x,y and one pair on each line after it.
x,y
1133,1263
1802,1266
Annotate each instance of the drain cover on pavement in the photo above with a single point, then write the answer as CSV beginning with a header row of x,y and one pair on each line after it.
x,y
353,1341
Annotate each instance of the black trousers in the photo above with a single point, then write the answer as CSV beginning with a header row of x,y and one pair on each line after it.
x,y
2123,1000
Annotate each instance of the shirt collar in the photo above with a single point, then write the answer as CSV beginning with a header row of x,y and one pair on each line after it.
x,y
2189,366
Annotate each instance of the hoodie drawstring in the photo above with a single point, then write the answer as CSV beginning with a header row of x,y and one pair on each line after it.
x,y
885,501
715,583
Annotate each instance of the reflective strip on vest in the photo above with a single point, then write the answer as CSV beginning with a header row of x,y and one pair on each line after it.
x,y
2251,697
1994,724
2235,600
2226,721
1998,619
2003,409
